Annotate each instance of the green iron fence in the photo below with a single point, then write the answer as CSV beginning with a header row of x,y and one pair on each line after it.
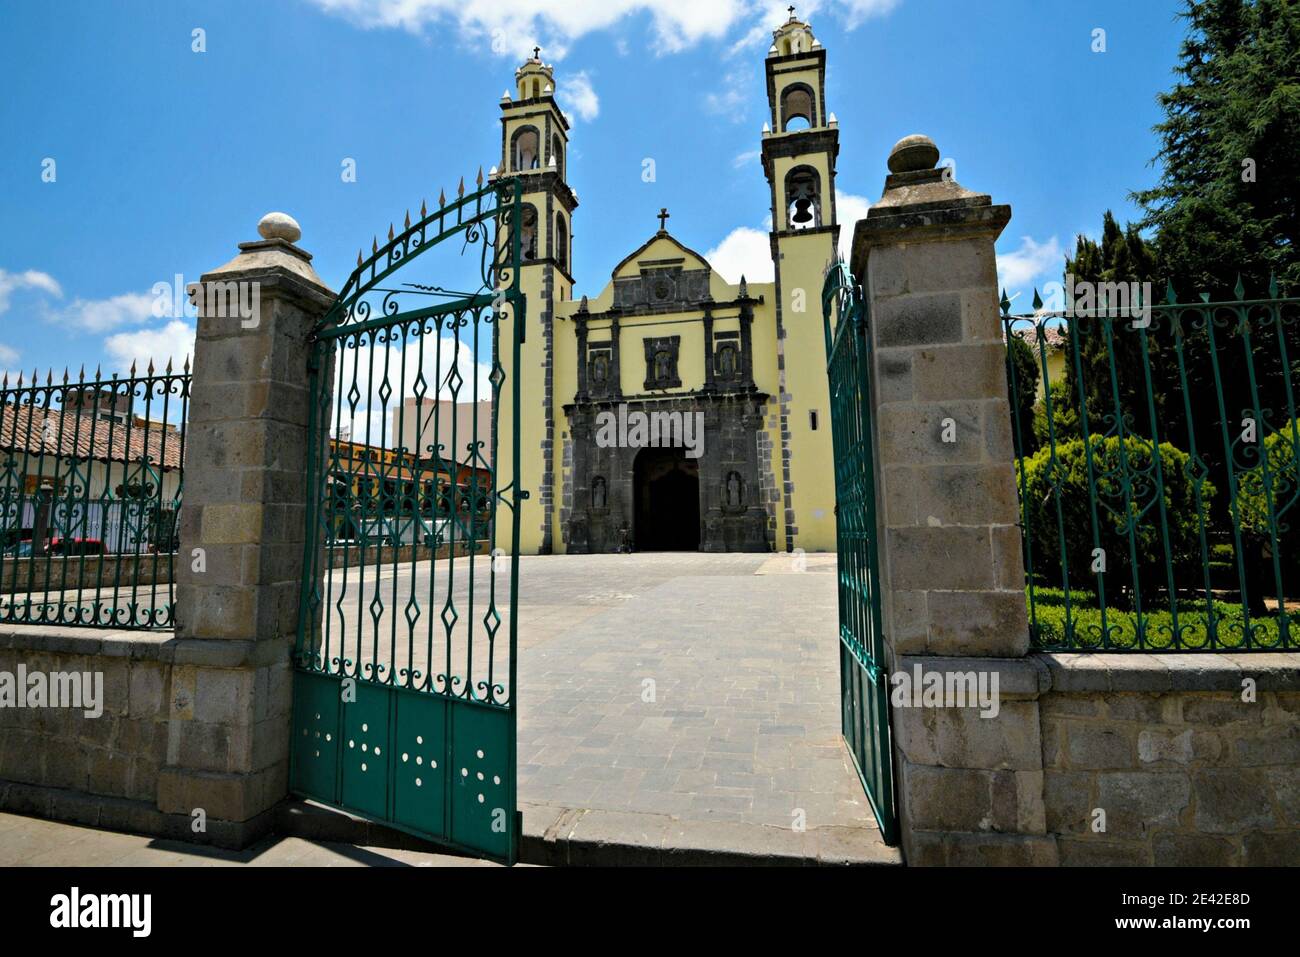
x,y
864,690
1157,450
404,690
91,472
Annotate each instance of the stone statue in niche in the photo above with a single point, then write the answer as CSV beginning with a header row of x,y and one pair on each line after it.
x,y
598,492
599,370
727,362
735,490
663,365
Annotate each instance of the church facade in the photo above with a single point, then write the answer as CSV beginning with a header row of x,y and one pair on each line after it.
x,y
672,409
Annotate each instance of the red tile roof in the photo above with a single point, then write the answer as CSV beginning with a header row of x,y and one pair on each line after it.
x,y
71,434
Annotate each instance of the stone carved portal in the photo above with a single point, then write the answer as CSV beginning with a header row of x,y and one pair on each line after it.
x,y
724,508
667,501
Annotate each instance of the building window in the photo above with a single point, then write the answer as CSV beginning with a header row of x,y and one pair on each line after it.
x,y
803,188
798,110
812,419
525,150
528,232
561,242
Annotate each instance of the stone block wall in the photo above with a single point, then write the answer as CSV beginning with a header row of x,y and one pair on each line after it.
x,y
1183,769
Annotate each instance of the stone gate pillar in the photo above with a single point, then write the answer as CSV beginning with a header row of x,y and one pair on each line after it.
x,y
239,570
969,787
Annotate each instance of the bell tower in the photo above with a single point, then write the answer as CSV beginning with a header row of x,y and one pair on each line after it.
x,y
799,148
534,148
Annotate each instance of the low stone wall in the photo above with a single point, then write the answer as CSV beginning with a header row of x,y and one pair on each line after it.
x,y
1105,759
181,719
55,573
1182,759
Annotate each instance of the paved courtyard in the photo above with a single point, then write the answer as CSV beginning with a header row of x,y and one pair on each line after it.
x,y
702,687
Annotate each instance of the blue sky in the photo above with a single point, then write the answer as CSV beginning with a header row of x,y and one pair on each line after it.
x,y
165,158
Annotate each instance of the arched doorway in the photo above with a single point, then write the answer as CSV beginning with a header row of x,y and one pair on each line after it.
x,y
667,501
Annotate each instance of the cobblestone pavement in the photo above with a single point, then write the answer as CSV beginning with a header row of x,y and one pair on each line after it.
x,y
704,687
29,841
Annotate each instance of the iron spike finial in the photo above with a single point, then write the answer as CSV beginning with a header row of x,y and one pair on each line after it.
x,y
1239,289
358,258
65,375
442,198
374,245
98,374
408,221
390,232
1004,302
5,383
49,377
81,374
1038,300
132,368
460,190
424,212
20,379
169,365
150,366
1170,296
186,367
1272,285
479,181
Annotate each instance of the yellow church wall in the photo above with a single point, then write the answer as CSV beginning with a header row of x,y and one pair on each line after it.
x,y
804,262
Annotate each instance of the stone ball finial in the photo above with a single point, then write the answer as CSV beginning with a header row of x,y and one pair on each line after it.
x,y
279,226
912,153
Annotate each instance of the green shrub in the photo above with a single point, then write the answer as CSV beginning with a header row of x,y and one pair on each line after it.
x,y
1065,416
1058,500
1252,503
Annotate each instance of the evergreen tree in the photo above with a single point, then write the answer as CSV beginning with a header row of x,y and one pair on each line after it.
x,y
1228,200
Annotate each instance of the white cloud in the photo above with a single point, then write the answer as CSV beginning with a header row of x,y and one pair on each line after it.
x,y
366,365
511,27
104,315
744,251
576,92
1019,269
174,342
855,12
746,158
733,95
11,282
849,208
8,355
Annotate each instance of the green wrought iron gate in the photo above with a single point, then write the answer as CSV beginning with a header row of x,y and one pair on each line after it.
x,y
864,690
404,684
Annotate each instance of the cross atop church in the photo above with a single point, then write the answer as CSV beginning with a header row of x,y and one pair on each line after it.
x,y
791,9
663,215
537,51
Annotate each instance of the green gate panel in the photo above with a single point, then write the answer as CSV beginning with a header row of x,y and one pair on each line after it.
x,y
863,676
315,755
421,767
420,739
365,750
482,785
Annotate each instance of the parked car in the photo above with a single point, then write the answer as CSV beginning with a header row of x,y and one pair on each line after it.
x,y
77,546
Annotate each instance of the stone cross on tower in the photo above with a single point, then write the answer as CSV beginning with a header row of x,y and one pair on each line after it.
x,y
537,53
663,216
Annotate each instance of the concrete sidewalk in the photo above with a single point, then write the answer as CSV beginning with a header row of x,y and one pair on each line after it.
x,y
33,842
